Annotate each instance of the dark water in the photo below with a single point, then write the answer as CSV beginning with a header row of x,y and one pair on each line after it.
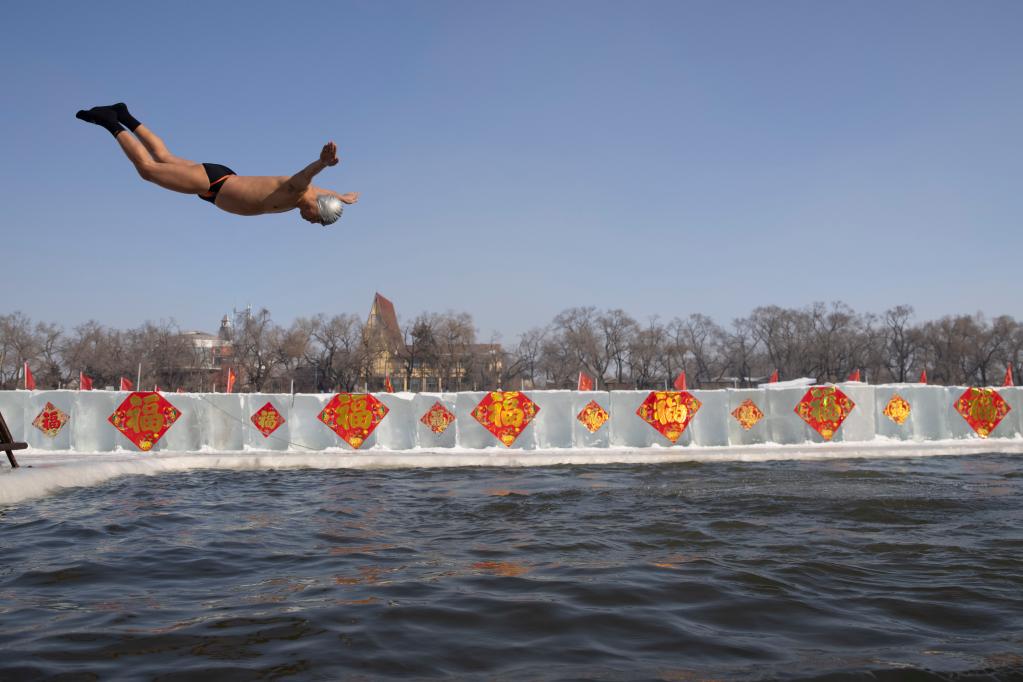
x,y
884,569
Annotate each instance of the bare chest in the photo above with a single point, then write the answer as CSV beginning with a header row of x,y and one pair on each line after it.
x,y
256,194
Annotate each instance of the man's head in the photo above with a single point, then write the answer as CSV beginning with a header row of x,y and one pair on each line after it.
x,y
330,208
321,208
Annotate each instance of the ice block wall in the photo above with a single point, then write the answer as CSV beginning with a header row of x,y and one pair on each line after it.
x,y
220,422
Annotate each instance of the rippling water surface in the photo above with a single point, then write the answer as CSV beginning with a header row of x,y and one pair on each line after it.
x,y
880,569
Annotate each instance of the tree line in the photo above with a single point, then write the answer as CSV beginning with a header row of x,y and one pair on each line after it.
x,y
439,351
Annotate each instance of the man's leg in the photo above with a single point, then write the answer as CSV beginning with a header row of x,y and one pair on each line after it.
x,y
151,140
181,176
178,177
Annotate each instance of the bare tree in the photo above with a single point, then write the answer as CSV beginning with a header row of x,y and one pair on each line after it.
x,y
525,362
454,336
292,349
780,334
560,360
168,358
901,342
646,348
420,349
577,329
702,335
338,351
17,345
739,352
48,372
255,339
617,330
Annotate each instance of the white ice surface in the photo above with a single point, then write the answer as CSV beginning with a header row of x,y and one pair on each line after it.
x,y
43,473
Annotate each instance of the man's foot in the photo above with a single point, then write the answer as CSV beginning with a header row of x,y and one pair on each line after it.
x,y
104,117
124,117
349,198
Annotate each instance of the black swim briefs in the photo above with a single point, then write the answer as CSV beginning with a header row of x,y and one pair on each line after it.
x,y
217,174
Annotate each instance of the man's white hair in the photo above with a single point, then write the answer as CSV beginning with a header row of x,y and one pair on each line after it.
x,y
330,208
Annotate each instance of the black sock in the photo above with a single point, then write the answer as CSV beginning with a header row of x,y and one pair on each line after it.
x,y
125,118
104,117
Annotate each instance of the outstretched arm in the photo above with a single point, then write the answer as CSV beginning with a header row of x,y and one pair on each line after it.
x,y
299,182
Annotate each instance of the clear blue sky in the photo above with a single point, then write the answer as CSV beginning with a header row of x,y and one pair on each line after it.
x,y
519,158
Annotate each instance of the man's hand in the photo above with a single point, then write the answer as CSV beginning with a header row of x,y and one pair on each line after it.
x,y
328,156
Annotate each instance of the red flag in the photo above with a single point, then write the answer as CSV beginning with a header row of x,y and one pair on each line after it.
x,y
854,375
230,379
388,386
680,381
30,381
126,384
774,377
585,382
1007,382
923,377
84,382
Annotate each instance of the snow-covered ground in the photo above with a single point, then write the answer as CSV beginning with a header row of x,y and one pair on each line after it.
x,y
44,473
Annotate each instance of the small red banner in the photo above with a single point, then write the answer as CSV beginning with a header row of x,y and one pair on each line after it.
x,y
593,416
680,381
267,419
747,414
585,382
897,409
51,420
438,418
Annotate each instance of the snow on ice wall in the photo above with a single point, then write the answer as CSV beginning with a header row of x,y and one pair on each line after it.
x,y
222,422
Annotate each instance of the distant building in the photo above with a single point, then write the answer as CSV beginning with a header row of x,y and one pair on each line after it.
x,y
384,340
214,355
389,356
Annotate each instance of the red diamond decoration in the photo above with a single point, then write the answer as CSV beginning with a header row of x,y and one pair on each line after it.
x,y
593,416
144,417
897,409
51,420
267,419
669,412
438,418
982,408
505,414
353,416
747,414
824,408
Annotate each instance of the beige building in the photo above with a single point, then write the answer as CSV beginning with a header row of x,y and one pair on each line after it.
x,y
479,367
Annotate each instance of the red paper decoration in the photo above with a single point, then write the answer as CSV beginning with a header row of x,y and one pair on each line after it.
x,y
267,419
982,408
669,412
824,408
144,417
51,420
353,416
747,414
505,414
897,409
593,416
438,418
